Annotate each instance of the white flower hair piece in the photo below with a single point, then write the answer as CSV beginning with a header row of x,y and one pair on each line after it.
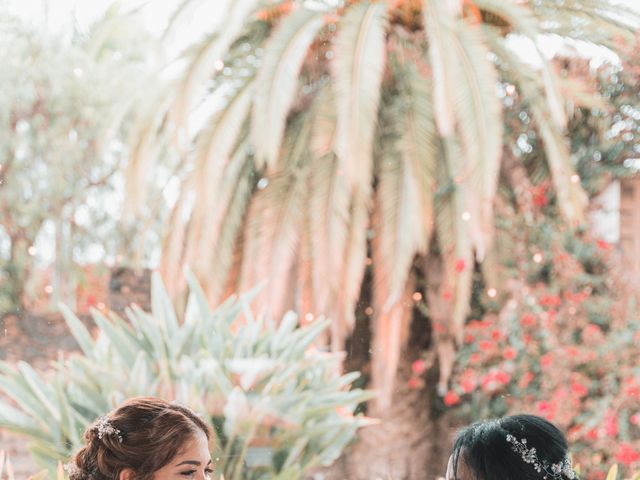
x,y
555,471
105,427
71,469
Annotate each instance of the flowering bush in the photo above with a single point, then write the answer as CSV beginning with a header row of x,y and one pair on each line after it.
x,y
564,346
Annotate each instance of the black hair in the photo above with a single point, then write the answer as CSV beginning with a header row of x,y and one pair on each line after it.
x,y
485,452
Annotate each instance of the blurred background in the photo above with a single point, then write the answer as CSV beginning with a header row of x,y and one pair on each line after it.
x,y
454,185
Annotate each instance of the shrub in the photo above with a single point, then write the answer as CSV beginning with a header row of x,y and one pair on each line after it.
x,y
564,346
279,406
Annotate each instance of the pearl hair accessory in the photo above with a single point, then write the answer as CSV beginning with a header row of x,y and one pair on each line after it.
x,y
104,427
555,471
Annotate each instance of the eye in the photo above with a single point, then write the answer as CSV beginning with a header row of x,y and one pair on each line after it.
x,y
188,473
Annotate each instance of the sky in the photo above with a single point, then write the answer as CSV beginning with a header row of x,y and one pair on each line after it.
x,y
156,12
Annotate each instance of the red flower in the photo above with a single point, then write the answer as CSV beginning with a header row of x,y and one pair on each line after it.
x,y
627,454
593,434
611,424
475,358
447,295
540,196
635,419
509,353
528,320
550,301
460,265
479,324
546,409
572,351
592,329
631,387
574,432
604,246
502,377
494,380
468,338
419,366
468,382
497,335
578,389
451,398
546,360
486,345
415,383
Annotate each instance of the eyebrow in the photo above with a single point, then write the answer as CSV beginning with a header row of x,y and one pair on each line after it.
x,y
191,462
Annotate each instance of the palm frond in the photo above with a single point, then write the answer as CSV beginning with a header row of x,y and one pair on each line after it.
x,y
439,35
391,327
329,217
281,215
304,287
524,22
202,56
277,82
329,200
358,67
601,22
235,194
406,177
453,227
215,150
174,241
572,200
480,125
352,270
146,145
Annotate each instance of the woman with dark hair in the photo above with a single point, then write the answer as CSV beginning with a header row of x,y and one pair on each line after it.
x,y
145,438
521,447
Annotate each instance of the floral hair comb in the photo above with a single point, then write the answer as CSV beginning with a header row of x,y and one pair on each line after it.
x,y
104,427
555,471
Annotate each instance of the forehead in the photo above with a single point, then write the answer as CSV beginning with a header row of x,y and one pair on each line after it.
x,y
196,447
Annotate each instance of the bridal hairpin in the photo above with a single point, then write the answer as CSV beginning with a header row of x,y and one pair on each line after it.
x,y
104,427
555,471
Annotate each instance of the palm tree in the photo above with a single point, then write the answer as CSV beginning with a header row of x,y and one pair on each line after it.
x,y
353,153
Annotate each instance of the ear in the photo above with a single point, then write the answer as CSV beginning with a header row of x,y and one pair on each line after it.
x,y
126,474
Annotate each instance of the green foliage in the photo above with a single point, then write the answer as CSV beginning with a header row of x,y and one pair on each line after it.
x,y
59,161
279,407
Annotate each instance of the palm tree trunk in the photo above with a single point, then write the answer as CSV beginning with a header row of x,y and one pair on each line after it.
x,y
401,447
17,269
413,438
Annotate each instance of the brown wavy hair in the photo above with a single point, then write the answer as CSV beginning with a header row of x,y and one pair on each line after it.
x,y
145,434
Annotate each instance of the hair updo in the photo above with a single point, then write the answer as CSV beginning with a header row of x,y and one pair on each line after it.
x,y
487,454
143,434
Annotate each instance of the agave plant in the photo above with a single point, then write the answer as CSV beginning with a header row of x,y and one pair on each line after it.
x,y
279,406
354,133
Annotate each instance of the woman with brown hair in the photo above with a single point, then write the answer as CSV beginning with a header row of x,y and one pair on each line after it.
x,y
145,438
